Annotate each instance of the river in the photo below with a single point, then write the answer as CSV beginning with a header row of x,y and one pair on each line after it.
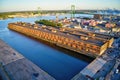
x,y
58,63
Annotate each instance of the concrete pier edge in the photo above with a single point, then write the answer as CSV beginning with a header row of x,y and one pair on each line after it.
x,y
14,66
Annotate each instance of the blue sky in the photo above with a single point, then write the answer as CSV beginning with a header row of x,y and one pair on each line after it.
x,y
19,5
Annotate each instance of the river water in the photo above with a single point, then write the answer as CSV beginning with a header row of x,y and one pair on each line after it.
x,y
57,63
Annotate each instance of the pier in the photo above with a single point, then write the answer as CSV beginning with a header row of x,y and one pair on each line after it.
x,y
102,68
87,43
14,66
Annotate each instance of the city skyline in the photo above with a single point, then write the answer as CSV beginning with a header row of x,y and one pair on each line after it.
x,y
24,5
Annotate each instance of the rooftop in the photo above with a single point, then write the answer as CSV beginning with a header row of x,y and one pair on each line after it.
x,y
77,35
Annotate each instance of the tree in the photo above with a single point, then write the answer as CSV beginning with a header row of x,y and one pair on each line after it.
x,y
49,23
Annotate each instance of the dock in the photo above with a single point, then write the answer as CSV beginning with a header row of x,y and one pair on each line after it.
x,y
14,66
91,69
82,42
102,68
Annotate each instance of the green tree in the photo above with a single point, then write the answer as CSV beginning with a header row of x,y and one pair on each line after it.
x,y
49,23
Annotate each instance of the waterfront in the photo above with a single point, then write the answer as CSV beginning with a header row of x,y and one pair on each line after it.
x,y
55,62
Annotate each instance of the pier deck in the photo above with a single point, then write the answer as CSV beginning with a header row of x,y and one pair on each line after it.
x,y
17,67
79,41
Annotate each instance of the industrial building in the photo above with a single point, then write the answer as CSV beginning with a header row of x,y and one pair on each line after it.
x,y
83,42
98,16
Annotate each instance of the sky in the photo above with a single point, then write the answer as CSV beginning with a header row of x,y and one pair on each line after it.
x,y
21,5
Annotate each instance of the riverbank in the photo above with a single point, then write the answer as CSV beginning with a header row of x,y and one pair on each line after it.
x,y
26,14
17,67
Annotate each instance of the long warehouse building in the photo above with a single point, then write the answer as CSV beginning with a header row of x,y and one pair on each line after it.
x,y
83,42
